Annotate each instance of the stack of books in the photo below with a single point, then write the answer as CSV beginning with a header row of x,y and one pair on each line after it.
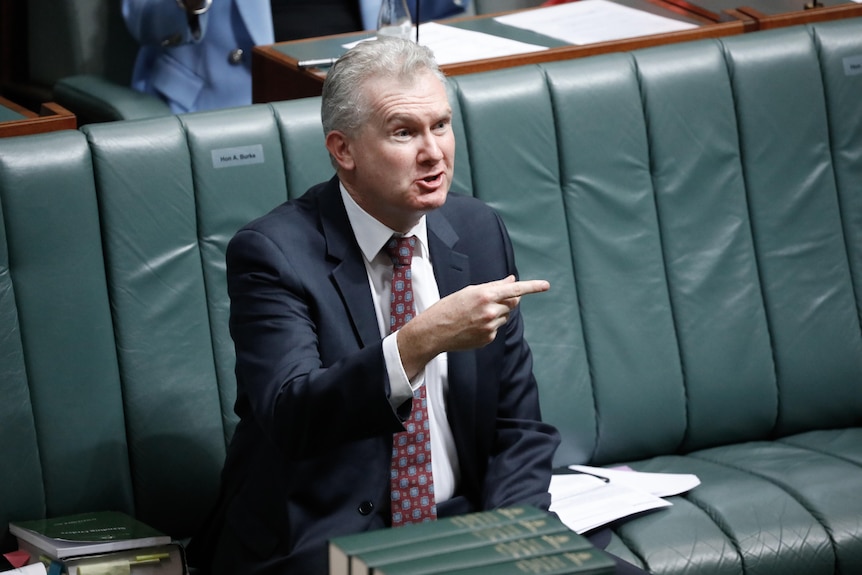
x,y
512,540
100,543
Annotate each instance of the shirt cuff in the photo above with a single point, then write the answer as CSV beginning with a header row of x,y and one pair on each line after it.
x,y
400,388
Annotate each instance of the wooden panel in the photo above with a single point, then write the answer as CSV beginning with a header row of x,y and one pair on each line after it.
x,y
50,118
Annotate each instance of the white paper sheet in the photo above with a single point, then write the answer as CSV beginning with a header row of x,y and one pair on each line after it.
x,y
34,569
583,502
591,21
452,45
658,484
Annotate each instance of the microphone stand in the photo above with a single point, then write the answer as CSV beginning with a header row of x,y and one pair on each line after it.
x,y
418,19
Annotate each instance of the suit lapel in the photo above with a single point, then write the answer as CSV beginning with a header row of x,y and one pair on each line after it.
x,y
452,271
349,272
451,268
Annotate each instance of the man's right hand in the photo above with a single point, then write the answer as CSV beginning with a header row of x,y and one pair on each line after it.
x,y
466,319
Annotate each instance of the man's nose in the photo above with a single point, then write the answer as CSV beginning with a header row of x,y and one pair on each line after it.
x,y
431,150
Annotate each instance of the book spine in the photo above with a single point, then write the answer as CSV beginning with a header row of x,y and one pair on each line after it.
x,y
585,562
495,553
361,563
342,548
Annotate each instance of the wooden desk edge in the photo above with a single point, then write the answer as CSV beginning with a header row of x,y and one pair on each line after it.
x,y
271,82
52,117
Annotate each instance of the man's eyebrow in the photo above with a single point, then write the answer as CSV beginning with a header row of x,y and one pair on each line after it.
x,y
405,117
401,118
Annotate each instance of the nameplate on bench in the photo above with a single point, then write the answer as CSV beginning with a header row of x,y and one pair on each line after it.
x,y
853,65
242,156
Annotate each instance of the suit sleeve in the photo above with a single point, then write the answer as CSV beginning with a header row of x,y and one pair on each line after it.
x,y
301,375
519,469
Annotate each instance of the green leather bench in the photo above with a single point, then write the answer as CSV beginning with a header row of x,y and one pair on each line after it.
x,y
696,207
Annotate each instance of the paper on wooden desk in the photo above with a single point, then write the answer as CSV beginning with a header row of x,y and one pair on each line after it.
x,y
591,21
452,45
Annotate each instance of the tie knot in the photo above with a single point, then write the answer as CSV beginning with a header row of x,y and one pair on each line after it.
x,y
400,250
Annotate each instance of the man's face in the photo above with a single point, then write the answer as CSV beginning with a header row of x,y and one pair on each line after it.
x,y
399,165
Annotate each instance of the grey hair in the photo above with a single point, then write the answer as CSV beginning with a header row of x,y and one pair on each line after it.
x,y
343,107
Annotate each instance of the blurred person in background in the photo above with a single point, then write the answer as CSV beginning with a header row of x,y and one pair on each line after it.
x,y
196,54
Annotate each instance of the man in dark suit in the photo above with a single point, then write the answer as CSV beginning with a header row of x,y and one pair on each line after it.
x,y
324,385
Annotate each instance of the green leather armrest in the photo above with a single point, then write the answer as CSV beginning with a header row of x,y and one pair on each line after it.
x,y
95,99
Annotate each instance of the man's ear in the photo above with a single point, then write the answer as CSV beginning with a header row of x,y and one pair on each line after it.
x,y
339,149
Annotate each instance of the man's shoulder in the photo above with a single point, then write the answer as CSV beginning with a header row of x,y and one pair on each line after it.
x,y
289,214
465,209
463,202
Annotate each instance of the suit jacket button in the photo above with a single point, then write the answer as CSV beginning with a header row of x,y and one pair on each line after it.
x,y
365,508
235,56
172,40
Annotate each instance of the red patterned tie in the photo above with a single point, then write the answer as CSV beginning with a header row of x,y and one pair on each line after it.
x,y
412,483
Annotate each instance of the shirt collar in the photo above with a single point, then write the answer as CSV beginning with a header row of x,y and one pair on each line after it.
x,y
371,234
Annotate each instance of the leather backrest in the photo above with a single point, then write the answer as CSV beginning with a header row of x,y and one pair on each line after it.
x,y
794,202
21,475
158,292
714,296
708,193
80,459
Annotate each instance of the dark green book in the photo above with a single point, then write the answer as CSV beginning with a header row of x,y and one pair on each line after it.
x,y
587,562
86,534
363,563
342,548
492,554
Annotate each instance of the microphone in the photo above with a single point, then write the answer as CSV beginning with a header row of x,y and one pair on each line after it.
x,y
193,10
418,19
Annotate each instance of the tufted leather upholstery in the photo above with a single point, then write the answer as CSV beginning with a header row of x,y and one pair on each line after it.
x,y
696,207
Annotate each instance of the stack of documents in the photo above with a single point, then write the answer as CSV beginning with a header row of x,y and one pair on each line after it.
x,y
592,21
588,497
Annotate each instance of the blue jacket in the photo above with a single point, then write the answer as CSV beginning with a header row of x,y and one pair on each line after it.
x,y
214,69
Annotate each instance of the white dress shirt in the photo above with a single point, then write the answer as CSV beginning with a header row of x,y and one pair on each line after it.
x,y
372,237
